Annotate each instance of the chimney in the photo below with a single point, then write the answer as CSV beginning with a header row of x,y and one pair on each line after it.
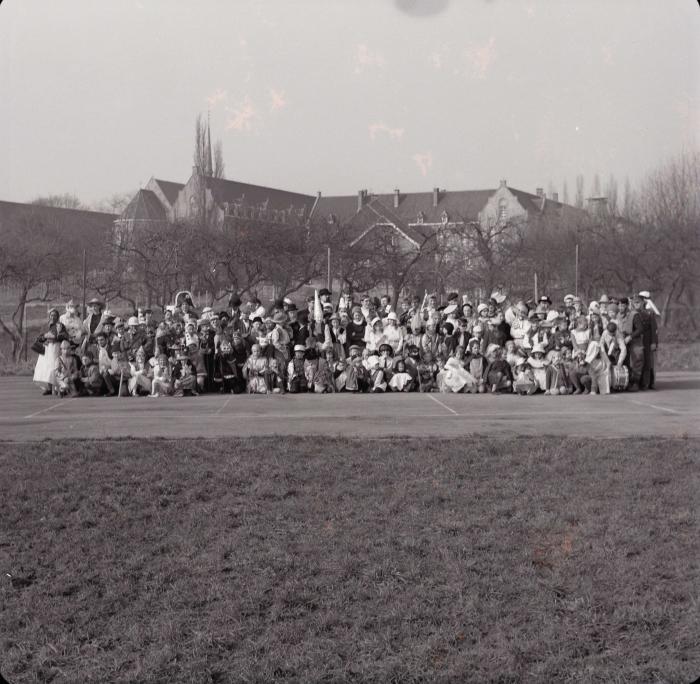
x,y
436,196
361,198
396,198
555,196
504,183
539,192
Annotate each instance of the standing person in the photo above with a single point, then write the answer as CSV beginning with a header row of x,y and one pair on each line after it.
x,y
640,347
94,321
72,322
50,340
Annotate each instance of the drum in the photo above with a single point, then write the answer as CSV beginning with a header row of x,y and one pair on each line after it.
x,y
619,378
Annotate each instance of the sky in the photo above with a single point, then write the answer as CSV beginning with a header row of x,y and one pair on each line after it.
x,y
339,95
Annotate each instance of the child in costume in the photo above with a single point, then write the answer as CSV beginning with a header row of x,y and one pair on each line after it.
x,y
598,368
401,381
524,379
539,364
226,375
498,375
162,383
184,377
317,369
120,372
66,372
90,378
476,364
427,373
454,377
141,374
255,370
296,375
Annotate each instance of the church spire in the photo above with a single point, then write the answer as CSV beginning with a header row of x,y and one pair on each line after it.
x,y
208,164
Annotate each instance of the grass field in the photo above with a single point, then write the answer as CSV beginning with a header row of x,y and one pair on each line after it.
x,y
313,559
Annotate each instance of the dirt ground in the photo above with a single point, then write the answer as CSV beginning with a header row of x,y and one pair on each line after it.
x,y
673,410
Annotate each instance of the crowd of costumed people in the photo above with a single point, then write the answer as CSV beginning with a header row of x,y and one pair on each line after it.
x,y
357,344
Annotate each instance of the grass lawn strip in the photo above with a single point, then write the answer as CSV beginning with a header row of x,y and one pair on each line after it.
x,y
309,559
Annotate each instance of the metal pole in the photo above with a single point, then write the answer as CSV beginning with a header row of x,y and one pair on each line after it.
x,y
84,280
328,277
536,295
24,328
576,283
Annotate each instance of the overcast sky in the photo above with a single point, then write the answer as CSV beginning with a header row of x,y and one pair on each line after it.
x,y
335,95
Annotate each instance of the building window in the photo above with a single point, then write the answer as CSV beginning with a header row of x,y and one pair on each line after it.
x,y
502,211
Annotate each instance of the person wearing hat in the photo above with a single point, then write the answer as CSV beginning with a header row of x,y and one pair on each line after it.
x,y
72,322
280,337
184,376
524,382
642,338
538,363
393,334
48,347
296,371
93,323
653,313
374,334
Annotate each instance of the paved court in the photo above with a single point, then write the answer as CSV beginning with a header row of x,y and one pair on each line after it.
x,y
672,410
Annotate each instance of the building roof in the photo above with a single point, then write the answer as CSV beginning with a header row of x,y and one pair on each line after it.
x,y
224,190
145,206
169,189
460,205
17,211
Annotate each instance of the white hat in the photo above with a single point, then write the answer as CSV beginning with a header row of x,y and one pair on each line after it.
x,y
593,306
450,309
392,317
645,294
207,309
482,307
498,297
132,321
299,347
604,299
539,347
374,321
569,298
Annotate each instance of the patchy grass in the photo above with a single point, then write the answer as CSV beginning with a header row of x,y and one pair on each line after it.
x,y
331,560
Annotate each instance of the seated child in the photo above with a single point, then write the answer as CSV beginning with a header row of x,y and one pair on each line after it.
x,y
524,378
373,364
120,372
427,374
184,377
91,380
318,372
539,364
161,383
401,381
255,370
476,365
141,374
296,371
498,375
454,377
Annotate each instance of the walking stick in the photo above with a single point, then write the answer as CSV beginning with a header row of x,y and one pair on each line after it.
x,y
121,380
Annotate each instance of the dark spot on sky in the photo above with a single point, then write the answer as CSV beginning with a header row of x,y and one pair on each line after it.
x,y
422,8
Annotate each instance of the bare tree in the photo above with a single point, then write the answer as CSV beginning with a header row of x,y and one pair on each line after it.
x,y
64,201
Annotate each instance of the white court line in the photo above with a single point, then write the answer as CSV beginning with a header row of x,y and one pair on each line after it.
x,y
223,406
46,410
437,401
654,406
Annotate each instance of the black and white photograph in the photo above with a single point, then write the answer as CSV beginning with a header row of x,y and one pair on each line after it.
x,y
349,341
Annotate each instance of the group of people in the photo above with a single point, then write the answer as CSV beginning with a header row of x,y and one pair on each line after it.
x,y
353,345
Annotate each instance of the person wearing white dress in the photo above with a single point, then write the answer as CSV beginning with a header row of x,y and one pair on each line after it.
x,y
44,371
